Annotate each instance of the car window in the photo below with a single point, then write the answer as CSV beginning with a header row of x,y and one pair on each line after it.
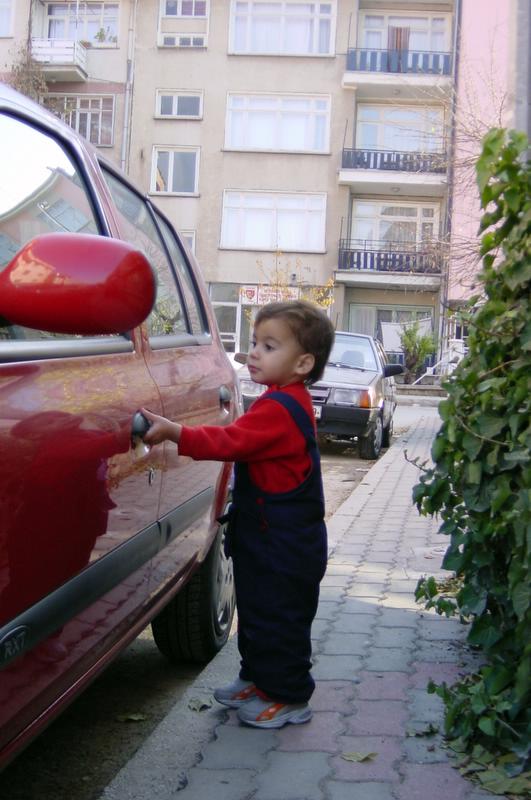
x,y
42,192
196,314
353,351
136,222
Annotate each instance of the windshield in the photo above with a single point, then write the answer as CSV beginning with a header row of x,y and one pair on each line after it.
x,y
354,352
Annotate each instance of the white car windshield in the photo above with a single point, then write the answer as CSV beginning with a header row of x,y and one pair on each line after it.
x,y
354,352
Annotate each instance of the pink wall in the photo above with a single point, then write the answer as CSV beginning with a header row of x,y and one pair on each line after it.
x,y
483,101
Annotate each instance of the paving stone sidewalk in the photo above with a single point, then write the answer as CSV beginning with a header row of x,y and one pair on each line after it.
x,y
375,650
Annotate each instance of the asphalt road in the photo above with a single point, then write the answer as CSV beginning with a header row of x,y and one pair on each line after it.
x,y
79,753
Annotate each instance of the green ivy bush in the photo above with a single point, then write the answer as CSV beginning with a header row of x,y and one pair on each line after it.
x,y
480,485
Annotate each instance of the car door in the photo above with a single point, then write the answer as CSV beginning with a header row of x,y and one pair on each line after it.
x,y
193,376
78,506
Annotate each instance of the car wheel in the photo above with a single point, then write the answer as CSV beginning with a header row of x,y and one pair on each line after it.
x,y
387,434
195,625
371,445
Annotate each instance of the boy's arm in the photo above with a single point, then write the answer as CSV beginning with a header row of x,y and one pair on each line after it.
x,y
260,433
161,429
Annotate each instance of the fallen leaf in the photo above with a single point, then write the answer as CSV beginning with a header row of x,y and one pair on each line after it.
x,y
199,704
358,757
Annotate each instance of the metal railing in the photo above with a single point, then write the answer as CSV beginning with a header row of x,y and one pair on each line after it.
x,y
393,160
414,62
365,255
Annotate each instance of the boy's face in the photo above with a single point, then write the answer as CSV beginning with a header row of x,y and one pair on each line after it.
x,y
275,356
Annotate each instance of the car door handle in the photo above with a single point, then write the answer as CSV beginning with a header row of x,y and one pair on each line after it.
x,y
225,396
140,426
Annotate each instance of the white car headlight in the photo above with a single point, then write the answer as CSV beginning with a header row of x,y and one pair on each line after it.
x,y
251,389
346,397
352,397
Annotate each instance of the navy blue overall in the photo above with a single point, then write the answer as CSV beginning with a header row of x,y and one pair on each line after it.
x,y
279,549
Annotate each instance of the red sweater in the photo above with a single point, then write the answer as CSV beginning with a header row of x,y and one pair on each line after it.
x,y
266,437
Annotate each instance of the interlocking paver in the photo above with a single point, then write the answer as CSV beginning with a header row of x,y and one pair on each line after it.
x,y
360,791
282,780
377,718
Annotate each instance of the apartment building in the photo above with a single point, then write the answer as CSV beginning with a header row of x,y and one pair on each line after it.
x,y
295,144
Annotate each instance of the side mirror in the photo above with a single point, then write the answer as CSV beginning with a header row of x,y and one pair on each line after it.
x,y
77,283
393,369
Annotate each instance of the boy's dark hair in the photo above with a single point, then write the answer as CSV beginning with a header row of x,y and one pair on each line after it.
x,y
310,326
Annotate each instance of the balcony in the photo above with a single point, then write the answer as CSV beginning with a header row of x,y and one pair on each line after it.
x,y
412,173
61,59
408,62
392,73
396,264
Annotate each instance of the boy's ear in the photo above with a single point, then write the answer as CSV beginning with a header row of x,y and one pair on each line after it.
x,y
305,364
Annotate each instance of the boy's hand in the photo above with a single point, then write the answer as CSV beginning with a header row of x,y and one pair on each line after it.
x,y
161,429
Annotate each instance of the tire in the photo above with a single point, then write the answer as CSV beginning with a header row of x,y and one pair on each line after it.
x,y
387,434
196,623
371,445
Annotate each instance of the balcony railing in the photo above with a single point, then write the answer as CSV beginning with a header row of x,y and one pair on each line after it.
x,y
413,62
394,160
60,53
363,254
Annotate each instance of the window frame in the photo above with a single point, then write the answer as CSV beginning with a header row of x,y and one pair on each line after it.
x,y
275,207
70,19
9,6
381,124
173,149
175,94
90,112
386,14
284,15
397,202
179,14
277,100
189,237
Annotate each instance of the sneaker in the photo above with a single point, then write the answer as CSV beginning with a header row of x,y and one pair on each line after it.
x,y
236,693
261,712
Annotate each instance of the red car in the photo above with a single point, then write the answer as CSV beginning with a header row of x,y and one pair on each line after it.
x,y
102,311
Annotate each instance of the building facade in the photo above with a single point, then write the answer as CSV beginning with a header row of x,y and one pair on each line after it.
x,y
300,147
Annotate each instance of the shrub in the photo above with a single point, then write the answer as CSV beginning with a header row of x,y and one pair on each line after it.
x,y
480,484
416,347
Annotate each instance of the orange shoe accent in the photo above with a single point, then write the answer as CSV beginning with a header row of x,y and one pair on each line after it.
x,y
270,712
250,691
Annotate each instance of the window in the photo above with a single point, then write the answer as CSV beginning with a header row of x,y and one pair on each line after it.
x,y
185,8
42,192
285,27
96,23
267,221
91,116
167,317
402,128
194,308
176,104
372,319
377,223
175,170
278,122
6,12
425,34
189,238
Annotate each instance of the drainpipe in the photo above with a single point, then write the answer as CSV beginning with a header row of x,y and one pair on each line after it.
x,y
129,81
444,295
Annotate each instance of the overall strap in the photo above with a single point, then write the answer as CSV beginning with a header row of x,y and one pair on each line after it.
x,y
300,416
